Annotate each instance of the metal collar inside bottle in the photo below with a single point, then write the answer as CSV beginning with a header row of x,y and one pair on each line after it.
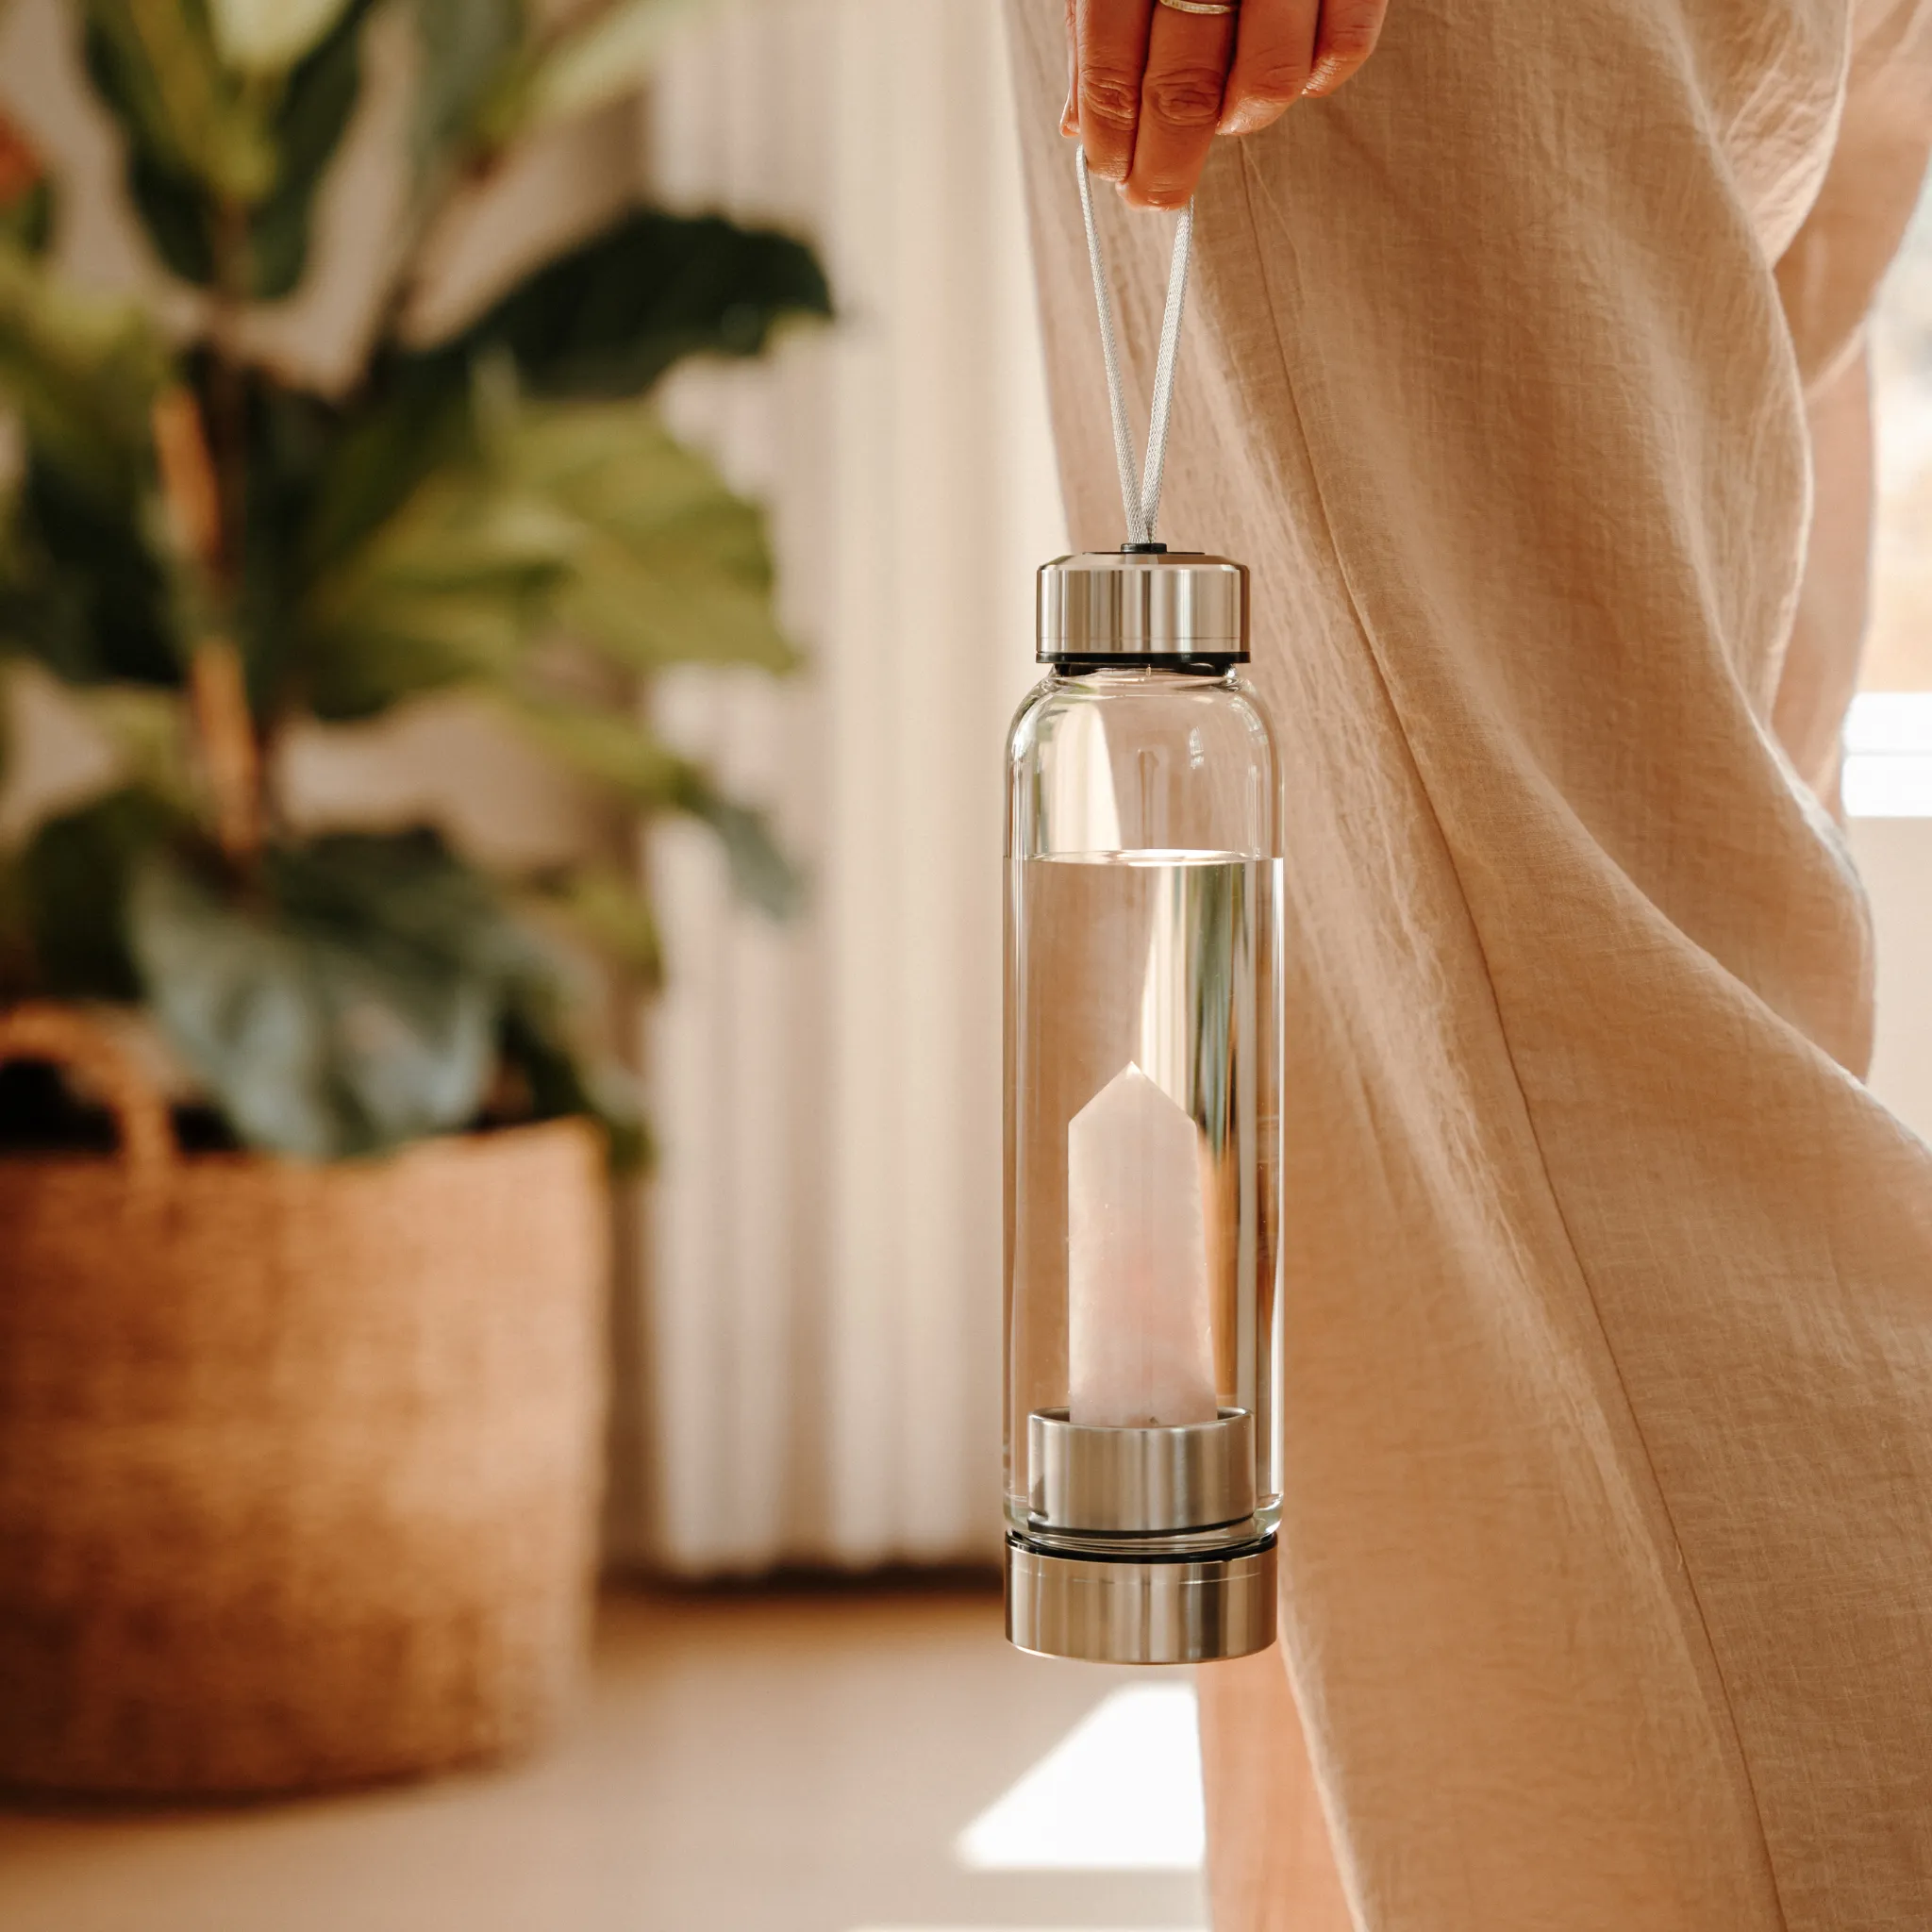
x,y
1173,605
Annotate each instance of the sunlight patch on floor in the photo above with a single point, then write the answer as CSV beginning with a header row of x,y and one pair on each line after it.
x,y
1119,1792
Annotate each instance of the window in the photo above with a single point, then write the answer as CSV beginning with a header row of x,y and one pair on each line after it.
x,y
1898,654
1888,736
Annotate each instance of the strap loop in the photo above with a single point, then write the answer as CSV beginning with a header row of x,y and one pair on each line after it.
x,y
1141,502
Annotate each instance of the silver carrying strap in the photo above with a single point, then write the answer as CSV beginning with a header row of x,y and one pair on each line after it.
x,y
1141,502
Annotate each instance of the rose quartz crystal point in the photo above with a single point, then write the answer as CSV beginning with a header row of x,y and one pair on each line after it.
x,y
1139,1321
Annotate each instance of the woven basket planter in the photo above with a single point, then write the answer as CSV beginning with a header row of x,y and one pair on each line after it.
x,y
298,1465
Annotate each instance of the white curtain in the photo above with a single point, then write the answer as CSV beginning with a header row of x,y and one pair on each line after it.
x,y
817,1370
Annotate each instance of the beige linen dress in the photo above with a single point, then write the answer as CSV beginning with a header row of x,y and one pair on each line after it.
x,y
1607,1539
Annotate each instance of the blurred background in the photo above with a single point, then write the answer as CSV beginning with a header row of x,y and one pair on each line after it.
x,y
485,645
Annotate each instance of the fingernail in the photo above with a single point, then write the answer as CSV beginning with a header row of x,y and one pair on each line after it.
x,y
1327,74
1250,117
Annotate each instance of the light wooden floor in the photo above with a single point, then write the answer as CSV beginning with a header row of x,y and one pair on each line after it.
x,y
746,1764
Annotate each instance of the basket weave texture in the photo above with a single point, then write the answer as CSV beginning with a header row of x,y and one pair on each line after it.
x,y
299,1465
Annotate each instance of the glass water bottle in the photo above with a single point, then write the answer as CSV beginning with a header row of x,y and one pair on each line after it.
x,y
1143,1121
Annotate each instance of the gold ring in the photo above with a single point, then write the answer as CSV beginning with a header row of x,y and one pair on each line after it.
x,y
1201,6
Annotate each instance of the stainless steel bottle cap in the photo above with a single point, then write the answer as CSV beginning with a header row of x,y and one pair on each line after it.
x,y
1150,605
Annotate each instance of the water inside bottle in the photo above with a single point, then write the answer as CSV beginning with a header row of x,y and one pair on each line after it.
x,y
1159,960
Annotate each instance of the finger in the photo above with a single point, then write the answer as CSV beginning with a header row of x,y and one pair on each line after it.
x,y
1347,38
1180,103
1273,57
1111,39
1070,114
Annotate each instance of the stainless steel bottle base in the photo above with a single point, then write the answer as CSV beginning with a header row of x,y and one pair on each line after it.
x,y
1123,1610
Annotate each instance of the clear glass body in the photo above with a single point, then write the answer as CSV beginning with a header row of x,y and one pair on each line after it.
x,y
1142,1146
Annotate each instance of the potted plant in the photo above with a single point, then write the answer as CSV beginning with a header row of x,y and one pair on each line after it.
x,y
299,1387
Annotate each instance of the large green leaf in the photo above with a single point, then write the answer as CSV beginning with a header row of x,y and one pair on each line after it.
x,y
616,466
352,1001
176,216
587,516
413,417
156,64
84,595
407,888
612,752
415,643
146,731
603,747
650,605
82,374
599,906
290,438
467,52
313,1044
316,107
605,317
670,567
297,446
73,881
26,222
215,149
451,590
80,588
608,317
